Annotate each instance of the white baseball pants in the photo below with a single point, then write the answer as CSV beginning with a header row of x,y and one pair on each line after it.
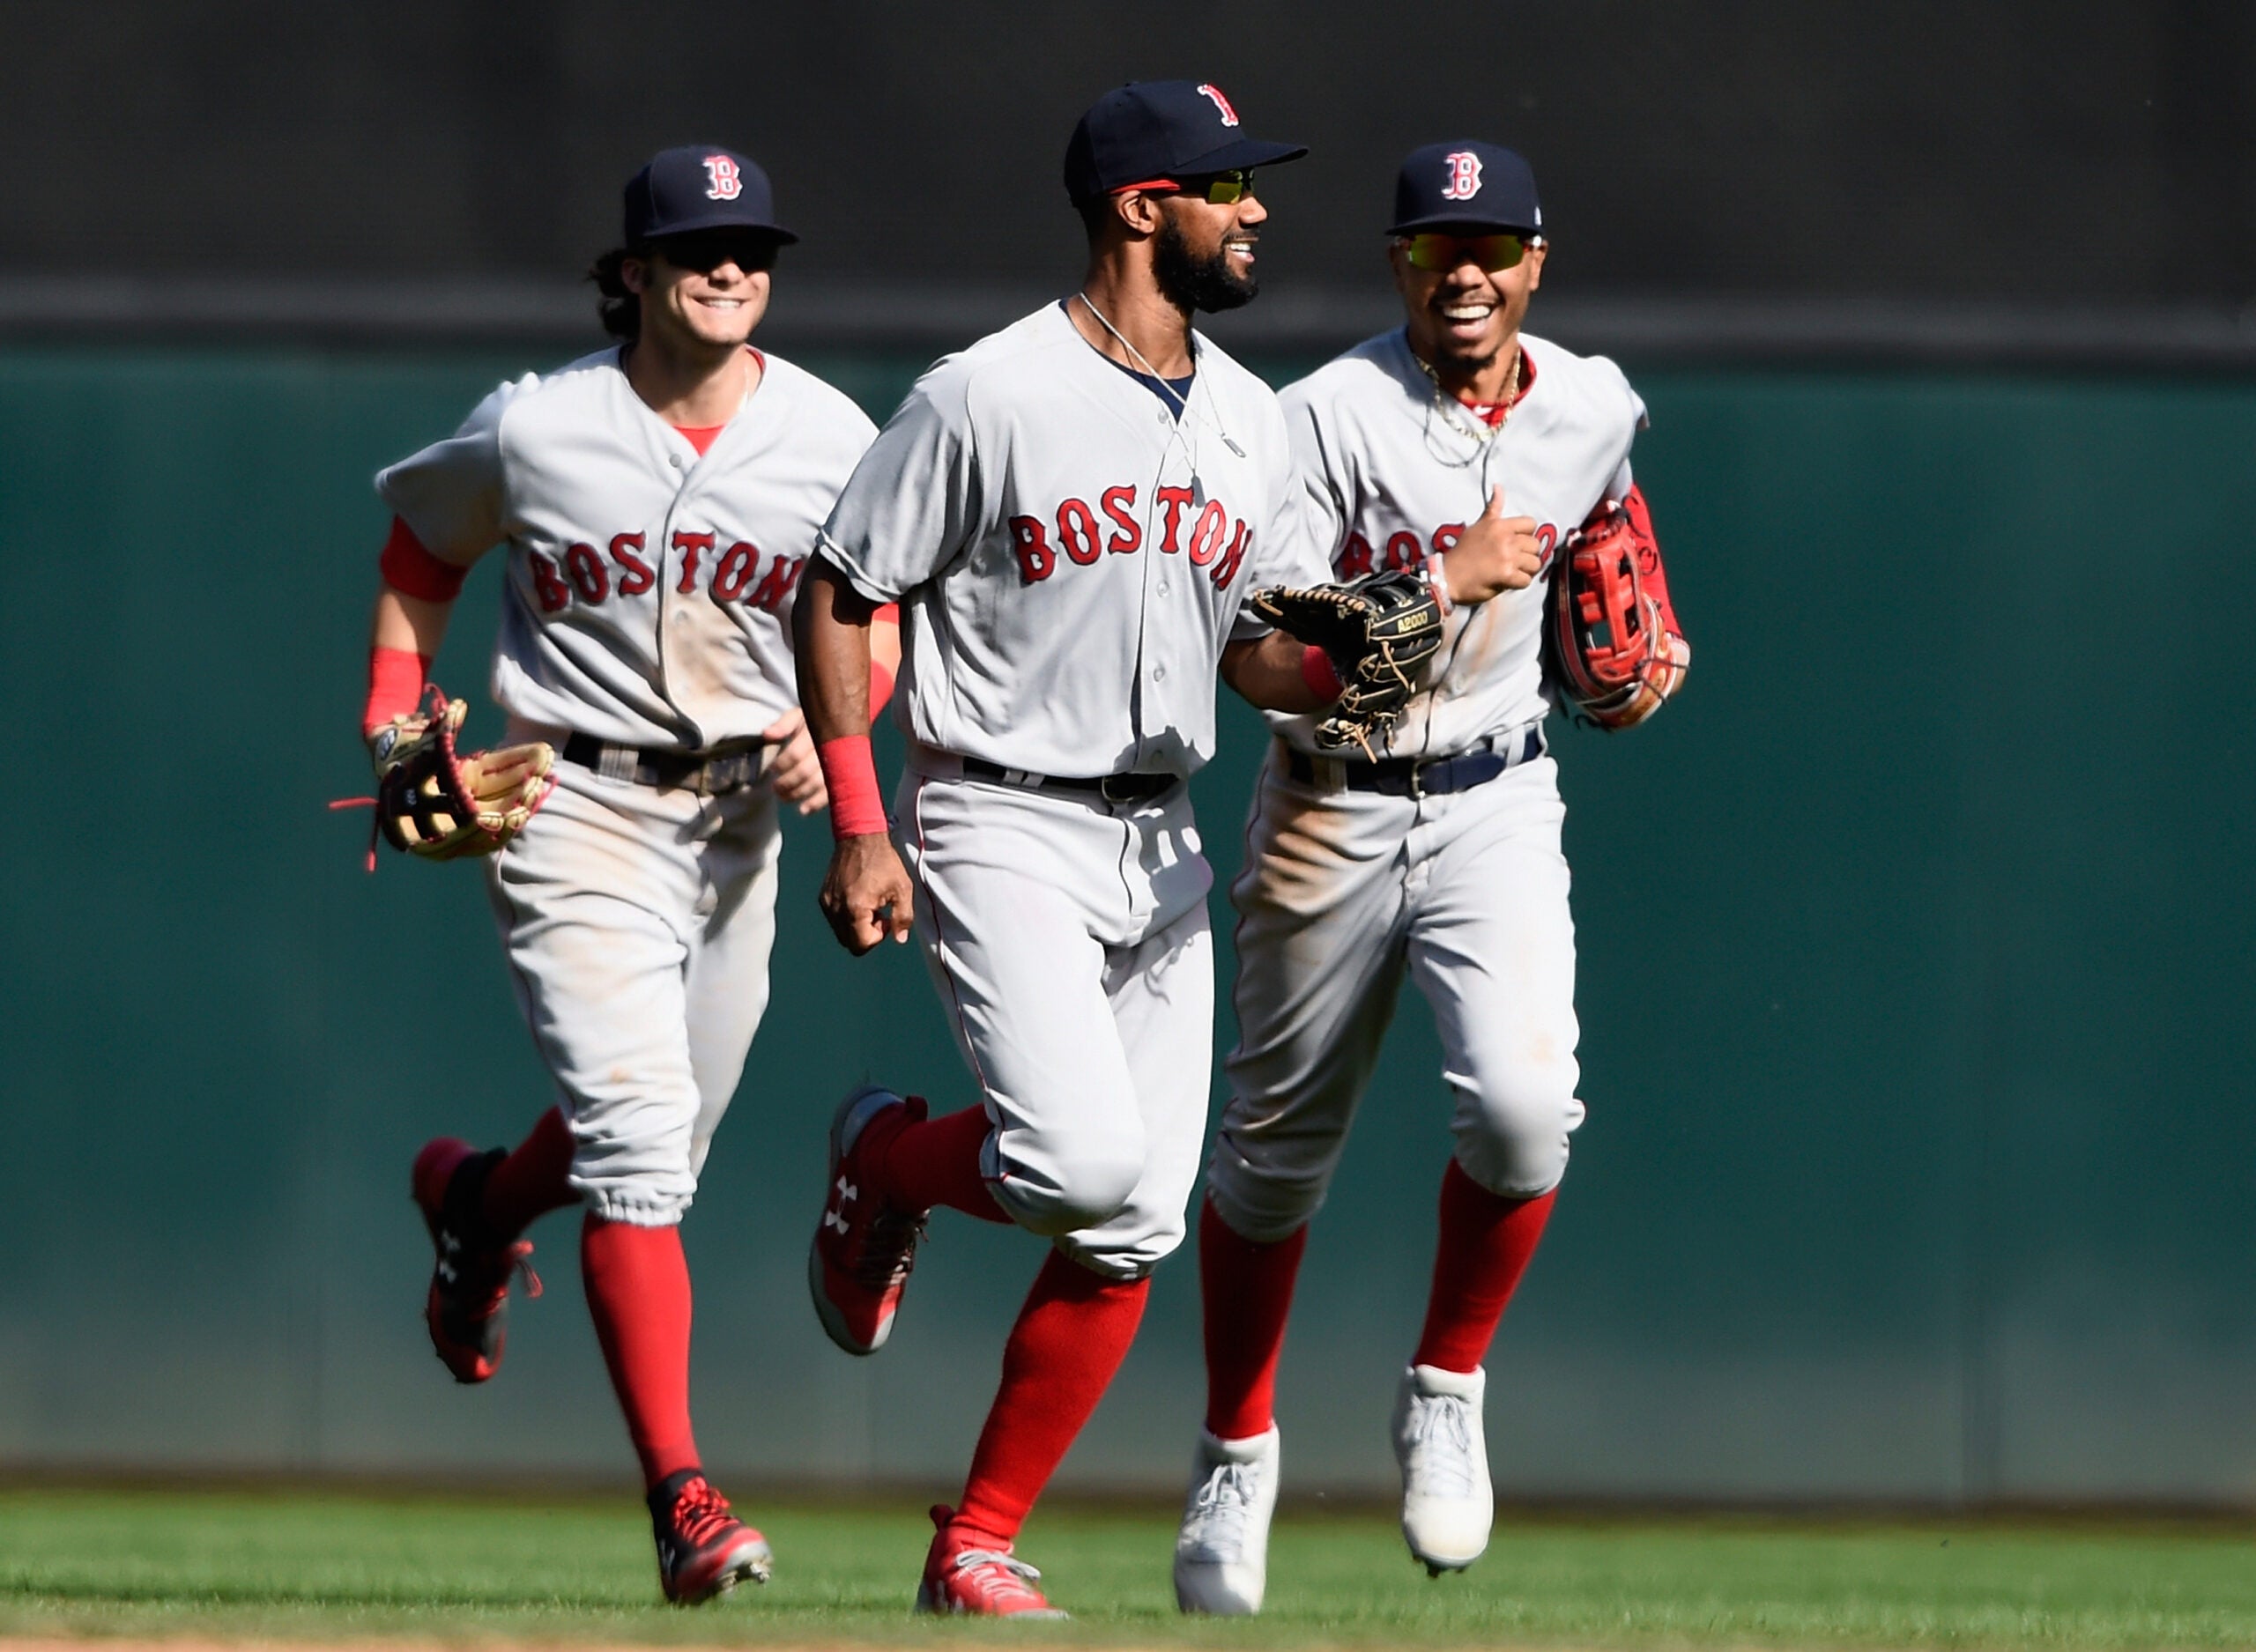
x,y
638,923
1344,892
1070,946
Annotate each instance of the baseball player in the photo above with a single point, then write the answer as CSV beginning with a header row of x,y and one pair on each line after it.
x,y
1071,515
657,500
1440,859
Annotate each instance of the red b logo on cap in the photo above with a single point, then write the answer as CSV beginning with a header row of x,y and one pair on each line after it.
x,y
727,182
1464,175
1229,116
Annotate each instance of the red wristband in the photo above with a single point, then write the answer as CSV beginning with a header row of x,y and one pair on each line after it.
x,y
412,571
1320,675
395,687
851,774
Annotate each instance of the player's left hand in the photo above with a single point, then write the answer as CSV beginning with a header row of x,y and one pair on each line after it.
x,y
796,773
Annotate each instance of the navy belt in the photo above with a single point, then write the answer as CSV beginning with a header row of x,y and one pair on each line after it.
x,y
1424,776
1125,787
724,769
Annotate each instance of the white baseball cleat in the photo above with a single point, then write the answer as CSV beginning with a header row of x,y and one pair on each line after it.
x,y
1447,1502
1221,1553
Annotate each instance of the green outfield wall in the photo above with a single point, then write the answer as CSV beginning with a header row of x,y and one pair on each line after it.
x,y
1915,983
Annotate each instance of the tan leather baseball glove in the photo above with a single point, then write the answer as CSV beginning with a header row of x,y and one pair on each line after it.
x,y
432,801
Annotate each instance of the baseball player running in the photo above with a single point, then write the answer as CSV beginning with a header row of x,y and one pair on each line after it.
x,y
1071,514
657,500
1440,860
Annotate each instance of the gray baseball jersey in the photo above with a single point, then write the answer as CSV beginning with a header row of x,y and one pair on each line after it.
x,y
650,590
1390,470
647,604
1345,890
1070,556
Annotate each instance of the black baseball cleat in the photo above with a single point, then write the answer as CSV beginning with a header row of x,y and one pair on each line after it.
x,y
703,1549
467,1309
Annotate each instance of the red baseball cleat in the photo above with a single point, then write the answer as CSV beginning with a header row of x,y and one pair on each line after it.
x,y
858,1265
467,1308
960,1576
703,1549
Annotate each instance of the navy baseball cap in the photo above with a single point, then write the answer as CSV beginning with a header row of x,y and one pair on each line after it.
x,y
1150,131
700,186
1472,186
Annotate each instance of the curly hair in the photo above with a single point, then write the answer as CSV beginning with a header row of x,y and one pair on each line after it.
x,y
620,310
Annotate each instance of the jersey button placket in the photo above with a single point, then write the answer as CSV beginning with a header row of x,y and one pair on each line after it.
x,y
672,599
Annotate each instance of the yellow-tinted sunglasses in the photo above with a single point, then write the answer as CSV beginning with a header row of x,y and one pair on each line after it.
x,y
1226,188
1222,188
1440,253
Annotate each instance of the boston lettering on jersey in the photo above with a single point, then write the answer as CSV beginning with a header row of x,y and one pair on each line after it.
x,y
1214,538
1403,549
731,576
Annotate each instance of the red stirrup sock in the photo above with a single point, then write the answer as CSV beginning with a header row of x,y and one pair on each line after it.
x,y
1485,1241
530,1182
1071,1336
936,1162
638,1292
1245,1292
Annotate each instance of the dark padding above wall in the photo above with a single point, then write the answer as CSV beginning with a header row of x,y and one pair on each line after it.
x,y
2079,151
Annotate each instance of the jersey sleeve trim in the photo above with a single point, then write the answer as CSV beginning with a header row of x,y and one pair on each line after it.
x,y
831,552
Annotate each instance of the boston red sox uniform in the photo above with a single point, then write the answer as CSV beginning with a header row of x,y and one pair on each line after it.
x,y
1071,555
646,608
1344,890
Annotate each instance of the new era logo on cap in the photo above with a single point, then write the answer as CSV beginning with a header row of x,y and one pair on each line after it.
x,y
698,186
1468,185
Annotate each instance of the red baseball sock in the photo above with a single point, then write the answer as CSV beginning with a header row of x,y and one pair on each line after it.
x,y
1245,1292
638,1292
1486,1243
1071,1336
936,1162
530,1182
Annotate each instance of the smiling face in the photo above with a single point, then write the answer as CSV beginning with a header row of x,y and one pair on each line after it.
x,y
1460,317
702,294
1202,254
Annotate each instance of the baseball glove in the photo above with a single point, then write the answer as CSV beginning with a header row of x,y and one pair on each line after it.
x,y
1616,649
1379,630
434,802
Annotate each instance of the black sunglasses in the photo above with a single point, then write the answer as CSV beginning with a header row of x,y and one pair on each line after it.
x,y
707,251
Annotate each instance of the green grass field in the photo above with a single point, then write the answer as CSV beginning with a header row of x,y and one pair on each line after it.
x,y
300,1566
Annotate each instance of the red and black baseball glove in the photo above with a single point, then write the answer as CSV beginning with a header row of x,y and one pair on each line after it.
x,y
1615,647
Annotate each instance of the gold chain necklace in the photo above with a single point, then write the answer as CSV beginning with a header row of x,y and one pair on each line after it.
x,y
1479,430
